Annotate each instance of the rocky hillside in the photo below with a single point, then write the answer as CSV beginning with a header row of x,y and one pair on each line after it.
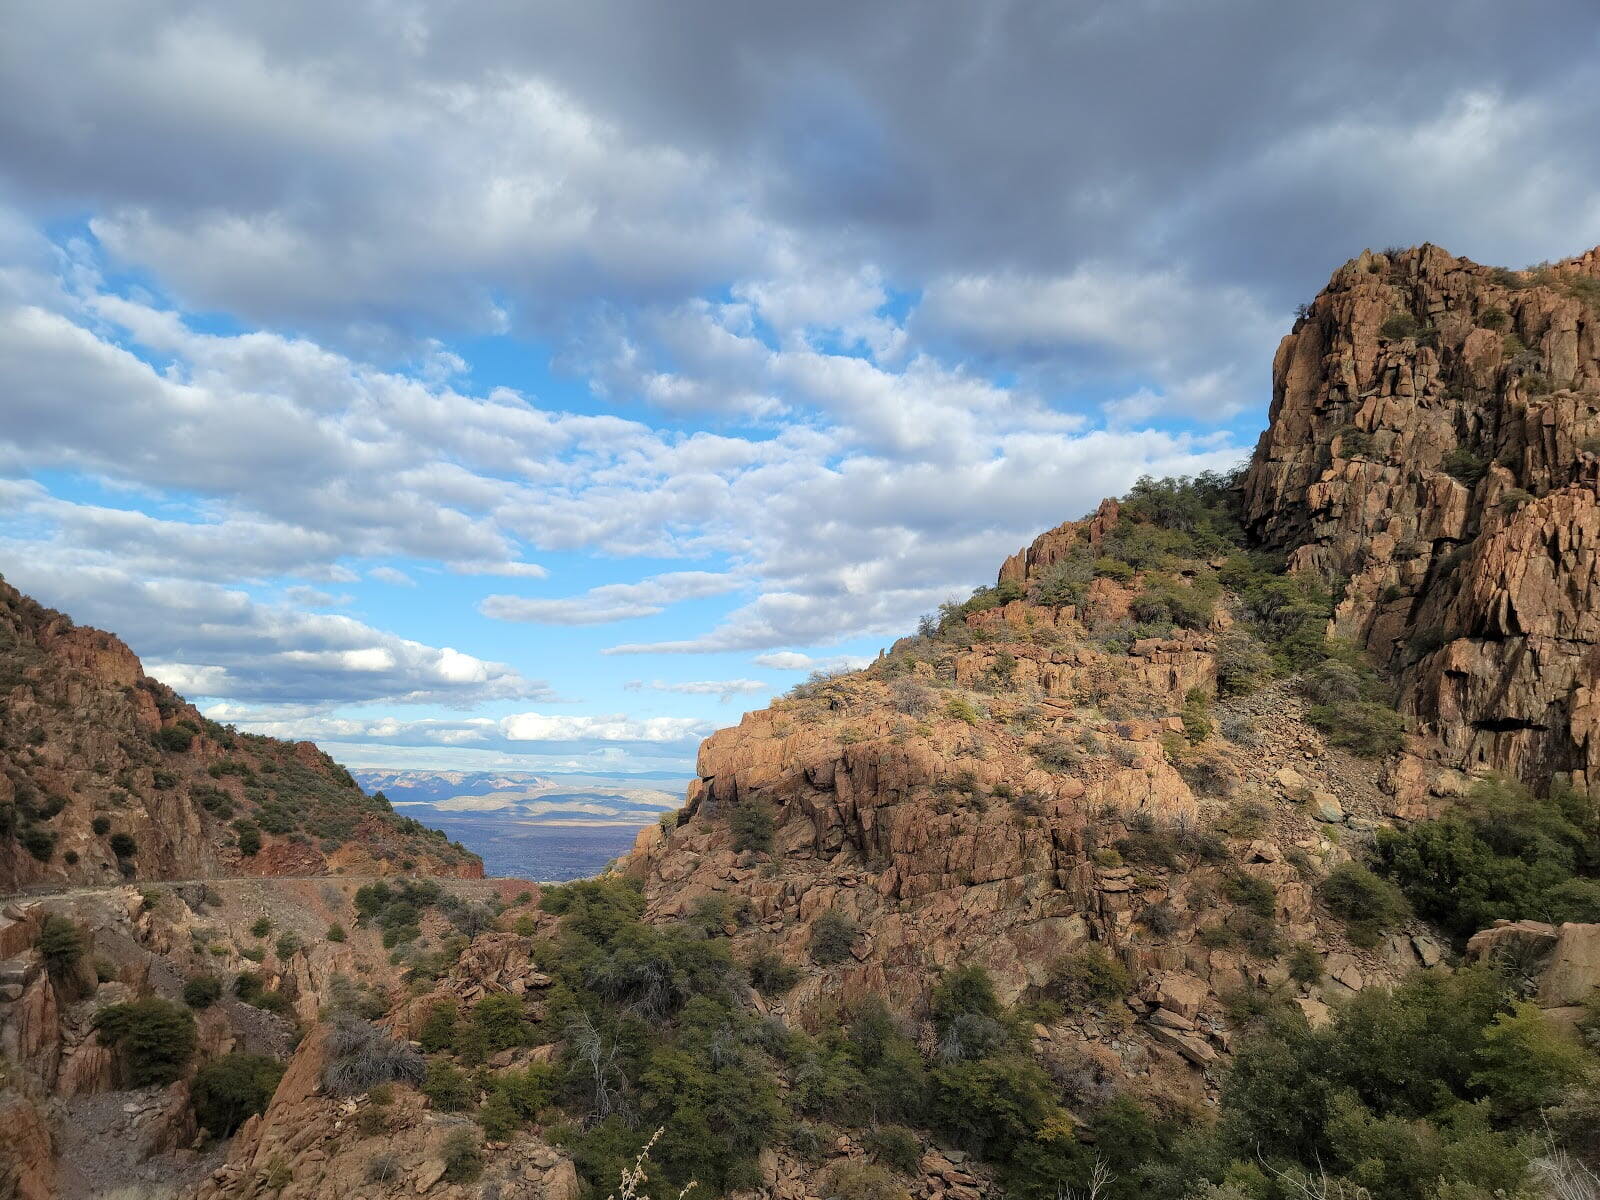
x,y
1237,844
107,774
1435,441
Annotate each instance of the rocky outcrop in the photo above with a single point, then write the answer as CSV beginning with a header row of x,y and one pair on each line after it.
x,y
106,774
1434,436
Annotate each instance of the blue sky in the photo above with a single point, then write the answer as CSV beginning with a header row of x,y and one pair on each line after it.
x,y
542,386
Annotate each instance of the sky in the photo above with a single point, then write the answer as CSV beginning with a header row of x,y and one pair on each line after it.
x,y
522,385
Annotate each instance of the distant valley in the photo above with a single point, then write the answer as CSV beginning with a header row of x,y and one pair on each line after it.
x,y
546,827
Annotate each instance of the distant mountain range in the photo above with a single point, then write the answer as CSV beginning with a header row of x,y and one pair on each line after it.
x,y
527,799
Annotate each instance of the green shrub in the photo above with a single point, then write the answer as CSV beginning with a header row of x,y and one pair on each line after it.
x,y
175,738
752,824
1514,498
1465,466
964,991
1243,663
1364,728
960,708
101,826
896,1147
853,1180
288,945
1401,325
39,843
1369,906
336,932
1090,977
154,1038
229,1090
832,935
1501,852
448,1086
463,1157
771,975
202,991
61,945
249,838
260,927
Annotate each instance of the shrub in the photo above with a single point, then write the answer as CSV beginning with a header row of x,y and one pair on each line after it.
x,y
260,927
861,1181
959,708
896,1146
752,824
1368,905
1501,852
336,932
911,696
229,1090
153,1037
832,935
40,843
964,991
101,826
1305,964
383,1168
175,738
1091,977
1243,663
363,1057
1355,442
1365,728
1196,717
202,991
1465,466
288,945
249,838
1514,498
771,975
463,1158
1401,325
447,1086
60,944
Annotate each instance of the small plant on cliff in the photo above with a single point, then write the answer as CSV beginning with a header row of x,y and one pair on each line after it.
x,y
1369,906
832,935
1367,729
1090,977
463,1157
771,975
202,991
1464,466
448,1086
60,945
1401,325
154,1038
230,1090
752,824
363,1057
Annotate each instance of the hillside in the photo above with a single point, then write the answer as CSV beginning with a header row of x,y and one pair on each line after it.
x,y
107,774
1238,843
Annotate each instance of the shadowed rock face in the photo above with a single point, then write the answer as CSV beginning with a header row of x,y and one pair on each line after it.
x,y
91,748
1451,477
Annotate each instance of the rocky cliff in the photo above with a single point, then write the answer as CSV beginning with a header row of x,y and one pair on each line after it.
x,y
1434,436
106,774
1028,777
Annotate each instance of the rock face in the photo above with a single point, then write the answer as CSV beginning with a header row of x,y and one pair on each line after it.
x,y
1434,437
106,774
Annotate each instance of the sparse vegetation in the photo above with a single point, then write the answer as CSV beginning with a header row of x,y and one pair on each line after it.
x,y
154,1038
229,1090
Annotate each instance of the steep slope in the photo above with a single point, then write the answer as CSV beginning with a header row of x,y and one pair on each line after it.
x,y
1434,438
106,774
1091,752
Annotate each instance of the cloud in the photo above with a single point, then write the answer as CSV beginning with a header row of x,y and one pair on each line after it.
x,y
612,601
722,689
791,660
206,640
537,727
391,575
